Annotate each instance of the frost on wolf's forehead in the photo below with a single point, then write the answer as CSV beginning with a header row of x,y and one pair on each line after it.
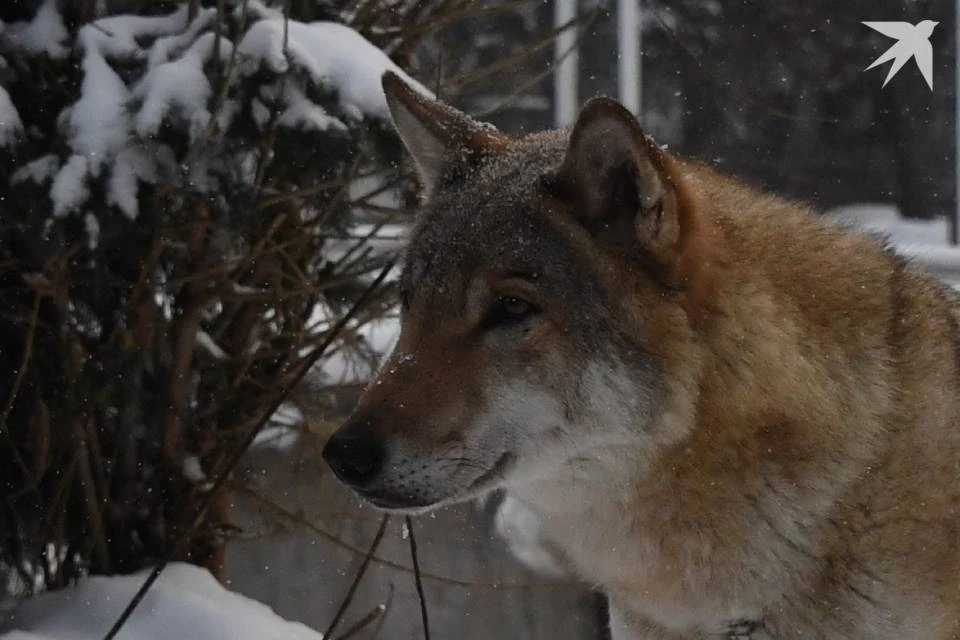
x,y
485,215
460,240
498,219
452,245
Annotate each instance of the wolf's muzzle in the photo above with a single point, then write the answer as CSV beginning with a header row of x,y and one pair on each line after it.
x,y
356,456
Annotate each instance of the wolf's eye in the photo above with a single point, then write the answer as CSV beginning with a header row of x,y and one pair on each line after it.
x,y
514,306
508,310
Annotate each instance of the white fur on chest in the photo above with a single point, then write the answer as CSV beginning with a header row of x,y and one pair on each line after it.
x,y
584,535
571,504
555,528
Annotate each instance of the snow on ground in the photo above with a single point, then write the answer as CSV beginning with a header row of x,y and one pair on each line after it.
x,y
185,602
282,431
885,218
345,367
376,237
924,242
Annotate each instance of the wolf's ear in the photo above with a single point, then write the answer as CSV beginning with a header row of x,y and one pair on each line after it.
x,y
442,140
617,180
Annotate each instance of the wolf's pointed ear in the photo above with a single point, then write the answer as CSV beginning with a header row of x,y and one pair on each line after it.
x,y
617,180
442,140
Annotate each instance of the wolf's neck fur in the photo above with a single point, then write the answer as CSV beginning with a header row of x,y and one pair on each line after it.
x,y
722,504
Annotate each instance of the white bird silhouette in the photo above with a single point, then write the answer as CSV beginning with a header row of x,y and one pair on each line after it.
x,y
913,41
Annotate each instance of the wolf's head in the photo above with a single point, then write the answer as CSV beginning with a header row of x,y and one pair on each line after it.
x,y
543,288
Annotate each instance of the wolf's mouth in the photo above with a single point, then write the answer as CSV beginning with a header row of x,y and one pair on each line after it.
x,y
404,501
491,475
395,502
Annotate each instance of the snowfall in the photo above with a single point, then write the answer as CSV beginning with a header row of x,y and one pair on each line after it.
x,y
105,139
186,601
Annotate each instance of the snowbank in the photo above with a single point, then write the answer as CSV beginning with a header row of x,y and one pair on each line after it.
x,y
346,367
185,602
885,219
924,242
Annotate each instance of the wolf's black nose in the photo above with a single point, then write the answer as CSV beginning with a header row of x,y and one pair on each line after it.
x,y
355,455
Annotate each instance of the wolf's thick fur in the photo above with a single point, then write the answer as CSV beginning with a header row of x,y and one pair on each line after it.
x,y
730,415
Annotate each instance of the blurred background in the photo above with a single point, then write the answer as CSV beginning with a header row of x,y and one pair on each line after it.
x,y
201,209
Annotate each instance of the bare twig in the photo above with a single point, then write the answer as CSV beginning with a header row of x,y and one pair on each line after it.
x,y
24,362
92,504
539,76
386,610
348,597
447,580
15,390
232,461
223,90
417,581
528,51
739,89
363,622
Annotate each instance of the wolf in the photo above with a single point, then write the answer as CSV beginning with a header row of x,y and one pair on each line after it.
x,y
733,417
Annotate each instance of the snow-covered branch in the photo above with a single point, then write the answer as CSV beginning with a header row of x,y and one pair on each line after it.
x,y
149,79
